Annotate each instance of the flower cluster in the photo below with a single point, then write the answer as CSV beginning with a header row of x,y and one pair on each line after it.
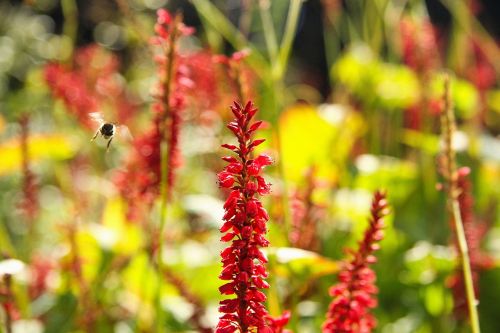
x,y
474,234
306,215
419,45
239,76
140,181
354,294
421,53
481,71
244,227
41,269
172,86
70,87
202,72
92,84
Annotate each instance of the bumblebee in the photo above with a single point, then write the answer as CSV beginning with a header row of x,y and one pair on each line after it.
x,y
107,129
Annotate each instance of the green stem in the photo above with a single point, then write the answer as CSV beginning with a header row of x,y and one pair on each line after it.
x,y
219,22
278,71
269,31
70,28
7,279
473,28
448,124
288,37
466,268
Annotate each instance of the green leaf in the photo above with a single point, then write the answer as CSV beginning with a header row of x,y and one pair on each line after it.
x,y
213,17
61,317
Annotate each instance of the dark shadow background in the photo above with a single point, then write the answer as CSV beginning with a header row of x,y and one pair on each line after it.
x,y
308,49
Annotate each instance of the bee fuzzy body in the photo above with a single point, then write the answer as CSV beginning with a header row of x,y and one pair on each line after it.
x,y
107,131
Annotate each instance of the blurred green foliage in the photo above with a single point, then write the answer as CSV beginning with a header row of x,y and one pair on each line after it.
x,y
357,137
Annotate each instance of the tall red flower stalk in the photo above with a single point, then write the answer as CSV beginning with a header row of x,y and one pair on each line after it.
x,y
244,228
170,102
150,168
354,295
419,45
420,52
8,304
29,203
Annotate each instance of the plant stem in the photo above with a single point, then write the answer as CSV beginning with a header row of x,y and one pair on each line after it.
x,y
70,27
7,279
278,69
218,21
269,31
448,124
288,37
466,268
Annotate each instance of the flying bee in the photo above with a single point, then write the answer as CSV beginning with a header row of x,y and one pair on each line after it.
x,y
107,129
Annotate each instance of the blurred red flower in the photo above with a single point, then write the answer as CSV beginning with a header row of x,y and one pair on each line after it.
x,y
354,294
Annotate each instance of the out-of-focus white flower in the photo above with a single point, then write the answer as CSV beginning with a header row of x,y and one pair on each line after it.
x,y
11,267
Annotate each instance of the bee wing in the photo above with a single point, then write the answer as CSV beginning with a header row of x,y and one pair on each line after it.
x,y
97,117
125,133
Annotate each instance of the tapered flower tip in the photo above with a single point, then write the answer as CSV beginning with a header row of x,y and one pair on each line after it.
x,y
463,171
164,16
249,105
186,31
240,55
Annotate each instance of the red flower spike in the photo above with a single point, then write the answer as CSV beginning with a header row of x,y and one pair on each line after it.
x,y
244,227
139,182
354,294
